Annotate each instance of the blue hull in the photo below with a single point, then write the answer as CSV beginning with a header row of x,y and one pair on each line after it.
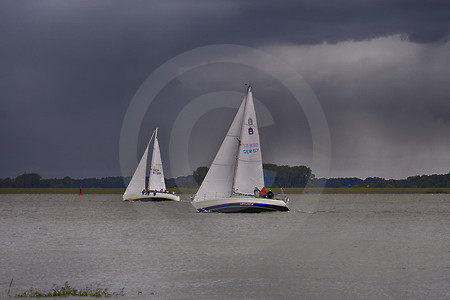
x,y
244,208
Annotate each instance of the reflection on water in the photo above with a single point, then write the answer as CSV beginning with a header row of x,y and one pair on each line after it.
x,y
328,246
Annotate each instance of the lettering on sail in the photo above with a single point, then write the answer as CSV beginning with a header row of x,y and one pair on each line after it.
x,y
250,148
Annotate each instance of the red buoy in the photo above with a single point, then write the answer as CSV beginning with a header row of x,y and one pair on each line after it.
x,y
81,193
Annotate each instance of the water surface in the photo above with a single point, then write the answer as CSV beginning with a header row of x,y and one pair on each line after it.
x,y
328,246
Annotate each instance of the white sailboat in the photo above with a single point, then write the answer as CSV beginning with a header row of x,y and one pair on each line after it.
x,y
156,189
237,169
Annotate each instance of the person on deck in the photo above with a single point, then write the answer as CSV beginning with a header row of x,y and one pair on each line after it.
x,y
256,192
262,193
270,194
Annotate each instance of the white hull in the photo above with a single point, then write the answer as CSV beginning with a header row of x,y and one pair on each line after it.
x,y
240,204
153,196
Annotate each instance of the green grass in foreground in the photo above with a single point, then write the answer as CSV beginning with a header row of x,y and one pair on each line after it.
x,y
349,190
67,290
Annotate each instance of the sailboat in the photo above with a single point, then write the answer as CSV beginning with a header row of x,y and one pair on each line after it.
x,y
236,172
156,188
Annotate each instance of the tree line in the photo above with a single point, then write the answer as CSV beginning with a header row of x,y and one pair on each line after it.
x,y
34,180
420,181
274,176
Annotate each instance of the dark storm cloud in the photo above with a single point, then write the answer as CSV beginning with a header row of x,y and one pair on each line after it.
x,y
333,21
70,68
311,22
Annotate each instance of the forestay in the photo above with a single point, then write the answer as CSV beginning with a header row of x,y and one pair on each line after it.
x,y
219,179
137,183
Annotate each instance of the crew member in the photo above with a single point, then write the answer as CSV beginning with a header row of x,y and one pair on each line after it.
x,y
262,193
256,192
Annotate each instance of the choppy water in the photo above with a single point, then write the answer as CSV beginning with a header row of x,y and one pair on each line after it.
x,y
328,246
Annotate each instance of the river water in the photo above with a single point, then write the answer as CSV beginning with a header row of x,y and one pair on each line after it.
x,y
326,247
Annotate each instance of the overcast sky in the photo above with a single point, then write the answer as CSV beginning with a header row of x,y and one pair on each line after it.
x,y
379,70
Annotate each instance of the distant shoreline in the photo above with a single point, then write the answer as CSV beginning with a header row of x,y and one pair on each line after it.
x,y
339,190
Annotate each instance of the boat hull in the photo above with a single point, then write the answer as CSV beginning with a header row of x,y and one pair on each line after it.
x,y
153,196
240,205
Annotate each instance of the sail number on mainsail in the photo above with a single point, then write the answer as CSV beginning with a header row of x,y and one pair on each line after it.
x,y
253,148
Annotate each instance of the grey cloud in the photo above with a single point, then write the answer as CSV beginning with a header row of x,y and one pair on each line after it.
x,y
69,70
387,103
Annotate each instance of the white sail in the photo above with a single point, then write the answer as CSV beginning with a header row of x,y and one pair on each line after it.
x,y
137,183
237,169
136,187
219,179
156,177
249,169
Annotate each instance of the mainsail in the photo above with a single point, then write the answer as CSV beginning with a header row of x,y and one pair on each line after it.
x,y
156,177
249,169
